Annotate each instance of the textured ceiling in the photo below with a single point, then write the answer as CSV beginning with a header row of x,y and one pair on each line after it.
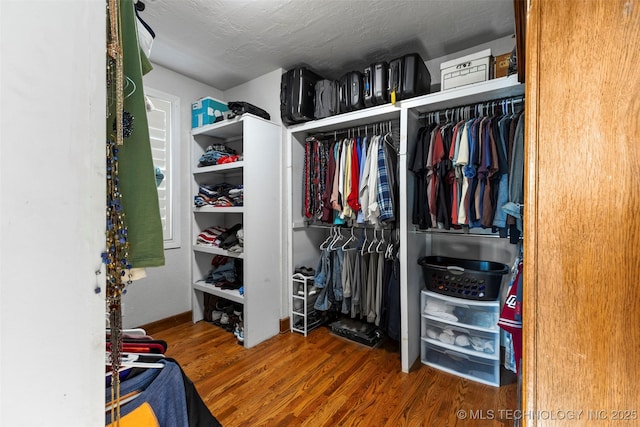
x,y
224,43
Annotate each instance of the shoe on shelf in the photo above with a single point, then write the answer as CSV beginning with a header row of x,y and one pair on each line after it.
x,y
216,316
305,271
239,333
224,318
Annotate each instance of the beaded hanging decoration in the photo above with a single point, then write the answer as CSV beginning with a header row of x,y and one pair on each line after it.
x,y
117,245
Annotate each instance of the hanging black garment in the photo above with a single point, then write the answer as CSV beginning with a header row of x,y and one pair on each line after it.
x,y
446,177
420,215
393,301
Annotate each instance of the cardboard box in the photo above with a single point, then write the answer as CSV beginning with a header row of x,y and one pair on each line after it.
x,y
502,65
474,68
205,111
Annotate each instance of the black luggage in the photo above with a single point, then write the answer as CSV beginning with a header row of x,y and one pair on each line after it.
x,y
416,80
350,92
358,331
326,101
376,84
297,95
408,77
238,108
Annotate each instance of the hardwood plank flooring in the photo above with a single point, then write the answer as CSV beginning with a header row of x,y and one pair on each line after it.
x,y
325,380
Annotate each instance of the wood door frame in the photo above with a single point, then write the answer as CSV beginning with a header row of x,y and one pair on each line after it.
x,y
530,227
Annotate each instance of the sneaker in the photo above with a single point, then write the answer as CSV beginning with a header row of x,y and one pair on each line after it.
x,y
224,319
240,334
237,310
216,316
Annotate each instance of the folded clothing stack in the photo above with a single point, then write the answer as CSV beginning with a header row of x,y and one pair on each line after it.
x,y
231,239
218,154
225,273
220,195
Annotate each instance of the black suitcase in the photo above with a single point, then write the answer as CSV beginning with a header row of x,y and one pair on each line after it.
x,y
376,84
394,87
416,78
350,92
326,101
408,77
297,95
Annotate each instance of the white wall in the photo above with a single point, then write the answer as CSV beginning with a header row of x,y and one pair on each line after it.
x,y
263,92
166,291
52,213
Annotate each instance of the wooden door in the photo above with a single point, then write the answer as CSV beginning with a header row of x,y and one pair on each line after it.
x,y
582,212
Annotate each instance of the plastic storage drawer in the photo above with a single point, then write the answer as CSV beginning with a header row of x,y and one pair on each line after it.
x,y
481,315
485,371
466,340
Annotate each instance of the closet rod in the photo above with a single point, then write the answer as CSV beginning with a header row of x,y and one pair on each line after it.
x,y
347,226
382,126
512,100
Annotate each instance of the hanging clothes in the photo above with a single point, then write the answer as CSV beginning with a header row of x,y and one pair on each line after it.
x,y
350,179
511,316
135,165
163,397
361,282
467,172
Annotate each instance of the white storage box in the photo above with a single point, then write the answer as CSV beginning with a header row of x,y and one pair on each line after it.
x,y
473,68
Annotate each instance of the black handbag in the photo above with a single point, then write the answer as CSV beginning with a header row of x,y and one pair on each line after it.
x,y
238,108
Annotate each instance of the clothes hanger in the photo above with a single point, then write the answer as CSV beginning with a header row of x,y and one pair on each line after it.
x,y
373,242
324,244
351,238
381,243
338,237
393,241
364,242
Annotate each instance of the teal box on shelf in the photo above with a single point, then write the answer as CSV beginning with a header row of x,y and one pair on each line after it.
x,y
205,111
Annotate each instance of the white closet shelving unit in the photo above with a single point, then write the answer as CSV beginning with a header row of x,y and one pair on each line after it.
x,y
304,241
259,142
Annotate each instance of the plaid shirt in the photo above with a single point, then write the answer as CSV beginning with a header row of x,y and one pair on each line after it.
x,y
385,204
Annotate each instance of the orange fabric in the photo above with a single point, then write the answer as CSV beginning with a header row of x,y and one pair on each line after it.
x,y
143,416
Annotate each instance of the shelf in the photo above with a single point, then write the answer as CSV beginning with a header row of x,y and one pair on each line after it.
x,y
503,87
225,167
222,130
219,209
354,118
217,251
229,294
227,128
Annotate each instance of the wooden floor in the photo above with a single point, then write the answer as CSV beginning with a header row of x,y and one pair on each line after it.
x,y
325,380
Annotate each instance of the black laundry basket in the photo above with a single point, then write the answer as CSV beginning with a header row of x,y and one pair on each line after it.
x,y
463,278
